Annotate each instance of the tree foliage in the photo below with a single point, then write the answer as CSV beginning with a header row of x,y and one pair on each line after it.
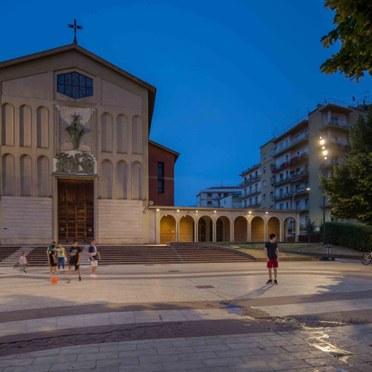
x,y
350,185
353,20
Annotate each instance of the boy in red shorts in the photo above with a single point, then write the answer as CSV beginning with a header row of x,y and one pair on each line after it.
x,y
272,256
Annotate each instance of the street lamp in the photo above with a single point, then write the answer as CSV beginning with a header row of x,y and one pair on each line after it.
x,y
295,193
324,152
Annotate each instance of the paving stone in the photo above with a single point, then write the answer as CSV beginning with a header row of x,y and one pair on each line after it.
x,y
76,366
116,362
185,364
257,366
159,358
197,356
178,350
137,353
117,347
234,353
222,362
55,359
98,356
38,368
151,367
11,361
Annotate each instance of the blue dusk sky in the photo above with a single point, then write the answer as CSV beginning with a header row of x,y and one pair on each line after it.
x,y
230,74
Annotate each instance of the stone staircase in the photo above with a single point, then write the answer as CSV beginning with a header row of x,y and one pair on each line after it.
x,y
9,255
152,254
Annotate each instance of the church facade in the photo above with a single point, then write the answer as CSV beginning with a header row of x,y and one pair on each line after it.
x,y
74,149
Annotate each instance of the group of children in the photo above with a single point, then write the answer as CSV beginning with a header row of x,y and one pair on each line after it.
x,y
57,258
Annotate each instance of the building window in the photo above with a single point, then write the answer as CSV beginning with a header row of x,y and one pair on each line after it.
x,y
161,177
74,85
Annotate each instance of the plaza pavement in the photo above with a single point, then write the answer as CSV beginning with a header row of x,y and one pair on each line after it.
x,y
189,317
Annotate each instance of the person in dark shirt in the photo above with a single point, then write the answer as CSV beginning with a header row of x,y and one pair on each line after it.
x,y
75,259
52,259
272,257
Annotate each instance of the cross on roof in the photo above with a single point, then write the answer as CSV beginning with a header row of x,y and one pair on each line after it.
x,y
75,27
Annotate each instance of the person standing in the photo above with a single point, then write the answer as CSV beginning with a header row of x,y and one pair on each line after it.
x,y
22,261
94,256
52,259
74,261
272,257
61,256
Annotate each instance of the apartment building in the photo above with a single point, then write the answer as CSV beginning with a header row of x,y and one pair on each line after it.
x,y
251,187
211,197
288,175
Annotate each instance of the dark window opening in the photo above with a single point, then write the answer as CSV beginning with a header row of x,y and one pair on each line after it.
x,y
161,183
74,85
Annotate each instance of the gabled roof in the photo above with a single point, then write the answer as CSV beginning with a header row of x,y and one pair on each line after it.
x,y
175,153
35,56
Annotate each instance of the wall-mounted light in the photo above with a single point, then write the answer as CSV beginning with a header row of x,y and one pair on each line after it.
x,y
157,210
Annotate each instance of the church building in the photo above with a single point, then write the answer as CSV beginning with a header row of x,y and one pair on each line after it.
x,y
76,160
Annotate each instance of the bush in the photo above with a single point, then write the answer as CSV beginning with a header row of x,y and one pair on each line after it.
x,y
349,235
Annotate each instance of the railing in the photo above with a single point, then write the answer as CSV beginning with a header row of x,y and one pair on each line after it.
x,y
294,176
247,196
251,180
335,123
290,194
295,142
295,160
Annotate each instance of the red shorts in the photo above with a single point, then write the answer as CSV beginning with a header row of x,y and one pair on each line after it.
x,y
272,263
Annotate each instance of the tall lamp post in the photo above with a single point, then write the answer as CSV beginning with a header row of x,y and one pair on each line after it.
x,y
295,193
324,153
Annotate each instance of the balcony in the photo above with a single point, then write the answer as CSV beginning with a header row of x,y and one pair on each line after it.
x,y
251,180
340,125
297,141
294,177
250,195
294,161
255,205
290,194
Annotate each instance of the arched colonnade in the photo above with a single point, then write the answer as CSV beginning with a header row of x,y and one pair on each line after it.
x,y
186,225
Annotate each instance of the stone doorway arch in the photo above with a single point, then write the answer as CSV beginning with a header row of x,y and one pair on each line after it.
x,y
205,229
257,229
240,229
223,229
167,229
290,229
273,227
187,228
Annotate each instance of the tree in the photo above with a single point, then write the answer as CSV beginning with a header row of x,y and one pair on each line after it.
x,y
354,31
350,185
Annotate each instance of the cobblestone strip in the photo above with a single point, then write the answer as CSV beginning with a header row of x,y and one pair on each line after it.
x,y
265,351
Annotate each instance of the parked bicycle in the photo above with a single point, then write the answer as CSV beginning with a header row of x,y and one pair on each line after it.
x,y
367,258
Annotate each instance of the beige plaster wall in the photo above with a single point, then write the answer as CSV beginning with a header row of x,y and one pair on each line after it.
x,y
28,220
120,221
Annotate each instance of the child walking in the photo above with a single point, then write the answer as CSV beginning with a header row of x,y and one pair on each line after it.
x,y
272,257
22,261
